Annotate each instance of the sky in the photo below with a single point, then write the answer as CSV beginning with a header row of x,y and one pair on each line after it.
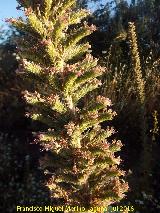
x,y
8,10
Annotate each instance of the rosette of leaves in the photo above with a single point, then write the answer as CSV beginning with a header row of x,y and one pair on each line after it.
x,y
80,160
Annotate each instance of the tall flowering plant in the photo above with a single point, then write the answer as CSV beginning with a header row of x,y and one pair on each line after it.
x,y
79,157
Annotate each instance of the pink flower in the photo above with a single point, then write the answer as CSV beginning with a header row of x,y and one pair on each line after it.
x,y
103,100
46,42
52,99
10,20
79,73
90,28
93,115
106,145
89,57
70,67
99,69
70,128
28,11
51,70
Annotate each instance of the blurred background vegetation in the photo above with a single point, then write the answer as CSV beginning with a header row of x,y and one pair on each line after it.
x,y
112,43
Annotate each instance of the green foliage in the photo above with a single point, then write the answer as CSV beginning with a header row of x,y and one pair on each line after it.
x,y
79,154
